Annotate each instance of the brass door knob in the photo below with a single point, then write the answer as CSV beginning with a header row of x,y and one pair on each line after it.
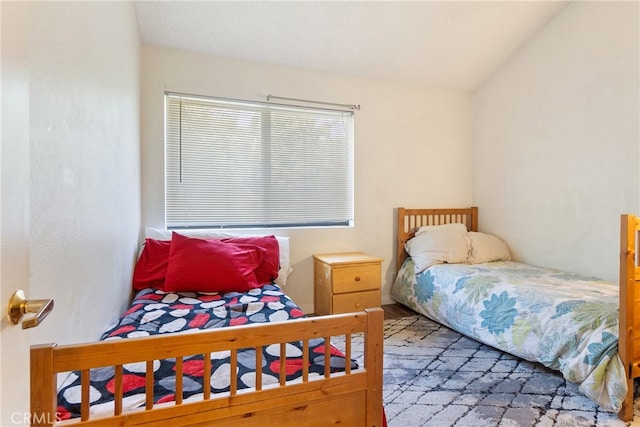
x,y
19,306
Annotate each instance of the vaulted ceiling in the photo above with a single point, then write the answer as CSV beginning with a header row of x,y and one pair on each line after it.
x,y
455,44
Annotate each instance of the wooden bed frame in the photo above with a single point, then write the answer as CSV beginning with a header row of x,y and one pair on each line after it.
x,y
352,398
629,336
409,220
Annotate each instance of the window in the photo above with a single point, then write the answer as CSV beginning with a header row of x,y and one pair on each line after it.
x,y
238,164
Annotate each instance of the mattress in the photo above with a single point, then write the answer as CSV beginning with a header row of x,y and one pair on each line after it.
x,y
564,321
155,312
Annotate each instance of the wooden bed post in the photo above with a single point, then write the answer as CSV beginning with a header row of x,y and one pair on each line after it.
x,y
628,233
474,219
400,240
43,386
373,361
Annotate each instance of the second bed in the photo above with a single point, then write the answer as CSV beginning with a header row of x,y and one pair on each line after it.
x,y
564,321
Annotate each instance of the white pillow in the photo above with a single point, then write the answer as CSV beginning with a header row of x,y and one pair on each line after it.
x,y
487,248
437,245
283,243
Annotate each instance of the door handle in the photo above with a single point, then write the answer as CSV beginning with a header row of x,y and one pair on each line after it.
x,y
19,306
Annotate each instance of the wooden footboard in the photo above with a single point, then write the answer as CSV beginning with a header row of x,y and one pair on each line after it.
x,y
629,339
352,398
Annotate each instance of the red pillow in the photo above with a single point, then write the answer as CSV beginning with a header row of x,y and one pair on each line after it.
x,y
197,265
151,267
268,269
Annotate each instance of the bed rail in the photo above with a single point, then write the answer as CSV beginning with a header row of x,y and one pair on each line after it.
x,y
409,220
629,336
307,401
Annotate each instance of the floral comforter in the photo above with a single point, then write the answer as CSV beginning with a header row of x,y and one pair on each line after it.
x,y
566,322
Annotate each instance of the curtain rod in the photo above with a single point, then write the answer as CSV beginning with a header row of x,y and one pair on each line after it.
x,y
350,106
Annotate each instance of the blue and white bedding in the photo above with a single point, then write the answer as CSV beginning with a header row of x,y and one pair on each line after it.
x,y
564,321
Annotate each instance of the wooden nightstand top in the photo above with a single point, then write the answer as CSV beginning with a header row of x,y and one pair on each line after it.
x,y
346,258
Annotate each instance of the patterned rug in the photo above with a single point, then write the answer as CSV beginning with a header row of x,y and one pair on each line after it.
x,y
436,377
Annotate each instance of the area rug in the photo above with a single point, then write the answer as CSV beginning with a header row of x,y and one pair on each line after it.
x,y
436,377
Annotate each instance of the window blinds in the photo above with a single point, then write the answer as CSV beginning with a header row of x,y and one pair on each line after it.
x,y
236,164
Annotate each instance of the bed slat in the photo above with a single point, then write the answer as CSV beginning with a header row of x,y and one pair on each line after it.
x,y
149,386
283,364
118,392
206,391
179,379
327,357
258,368
305,356
347,352
233,372
84,399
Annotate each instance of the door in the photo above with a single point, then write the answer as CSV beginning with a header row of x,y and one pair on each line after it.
x,y
14,209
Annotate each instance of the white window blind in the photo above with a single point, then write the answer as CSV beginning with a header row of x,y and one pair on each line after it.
x,y
236,164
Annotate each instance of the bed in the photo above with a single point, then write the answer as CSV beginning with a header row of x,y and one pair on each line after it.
x,y
181,356
567,322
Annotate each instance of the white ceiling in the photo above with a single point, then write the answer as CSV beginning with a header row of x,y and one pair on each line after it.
x,y
456,44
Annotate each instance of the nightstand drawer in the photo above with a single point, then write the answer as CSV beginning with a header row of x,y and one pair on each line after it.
x,y
358,301
345,282
356,278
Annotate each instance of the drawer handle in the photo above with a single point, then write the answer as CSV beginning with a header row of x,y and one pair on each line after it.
x,y
357,278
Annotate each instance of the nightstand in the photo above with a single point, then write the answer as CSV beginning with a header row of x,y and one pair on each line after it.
x,y
346,282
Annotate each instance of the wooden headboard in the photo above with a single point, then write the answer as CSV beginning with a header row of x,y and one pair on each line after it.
x,y
409,220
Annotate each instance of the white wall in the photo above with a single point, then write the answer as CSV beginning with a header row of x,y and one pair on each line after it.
x,y
412,147
84,162
556,140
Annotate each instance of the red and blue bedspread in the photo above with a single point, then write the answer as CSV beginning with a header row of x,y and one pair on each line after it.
x,y
154,312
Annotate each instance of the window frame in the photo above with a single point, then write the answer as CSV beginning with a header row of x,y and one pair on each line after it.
x,y
267,171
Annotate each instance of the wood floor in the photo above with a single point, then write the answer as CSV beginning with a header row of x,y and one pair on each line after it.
x,y
394,311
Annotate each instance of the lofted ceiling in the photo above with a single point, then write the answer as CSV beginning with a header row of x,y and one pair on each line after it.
x,y
454,44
